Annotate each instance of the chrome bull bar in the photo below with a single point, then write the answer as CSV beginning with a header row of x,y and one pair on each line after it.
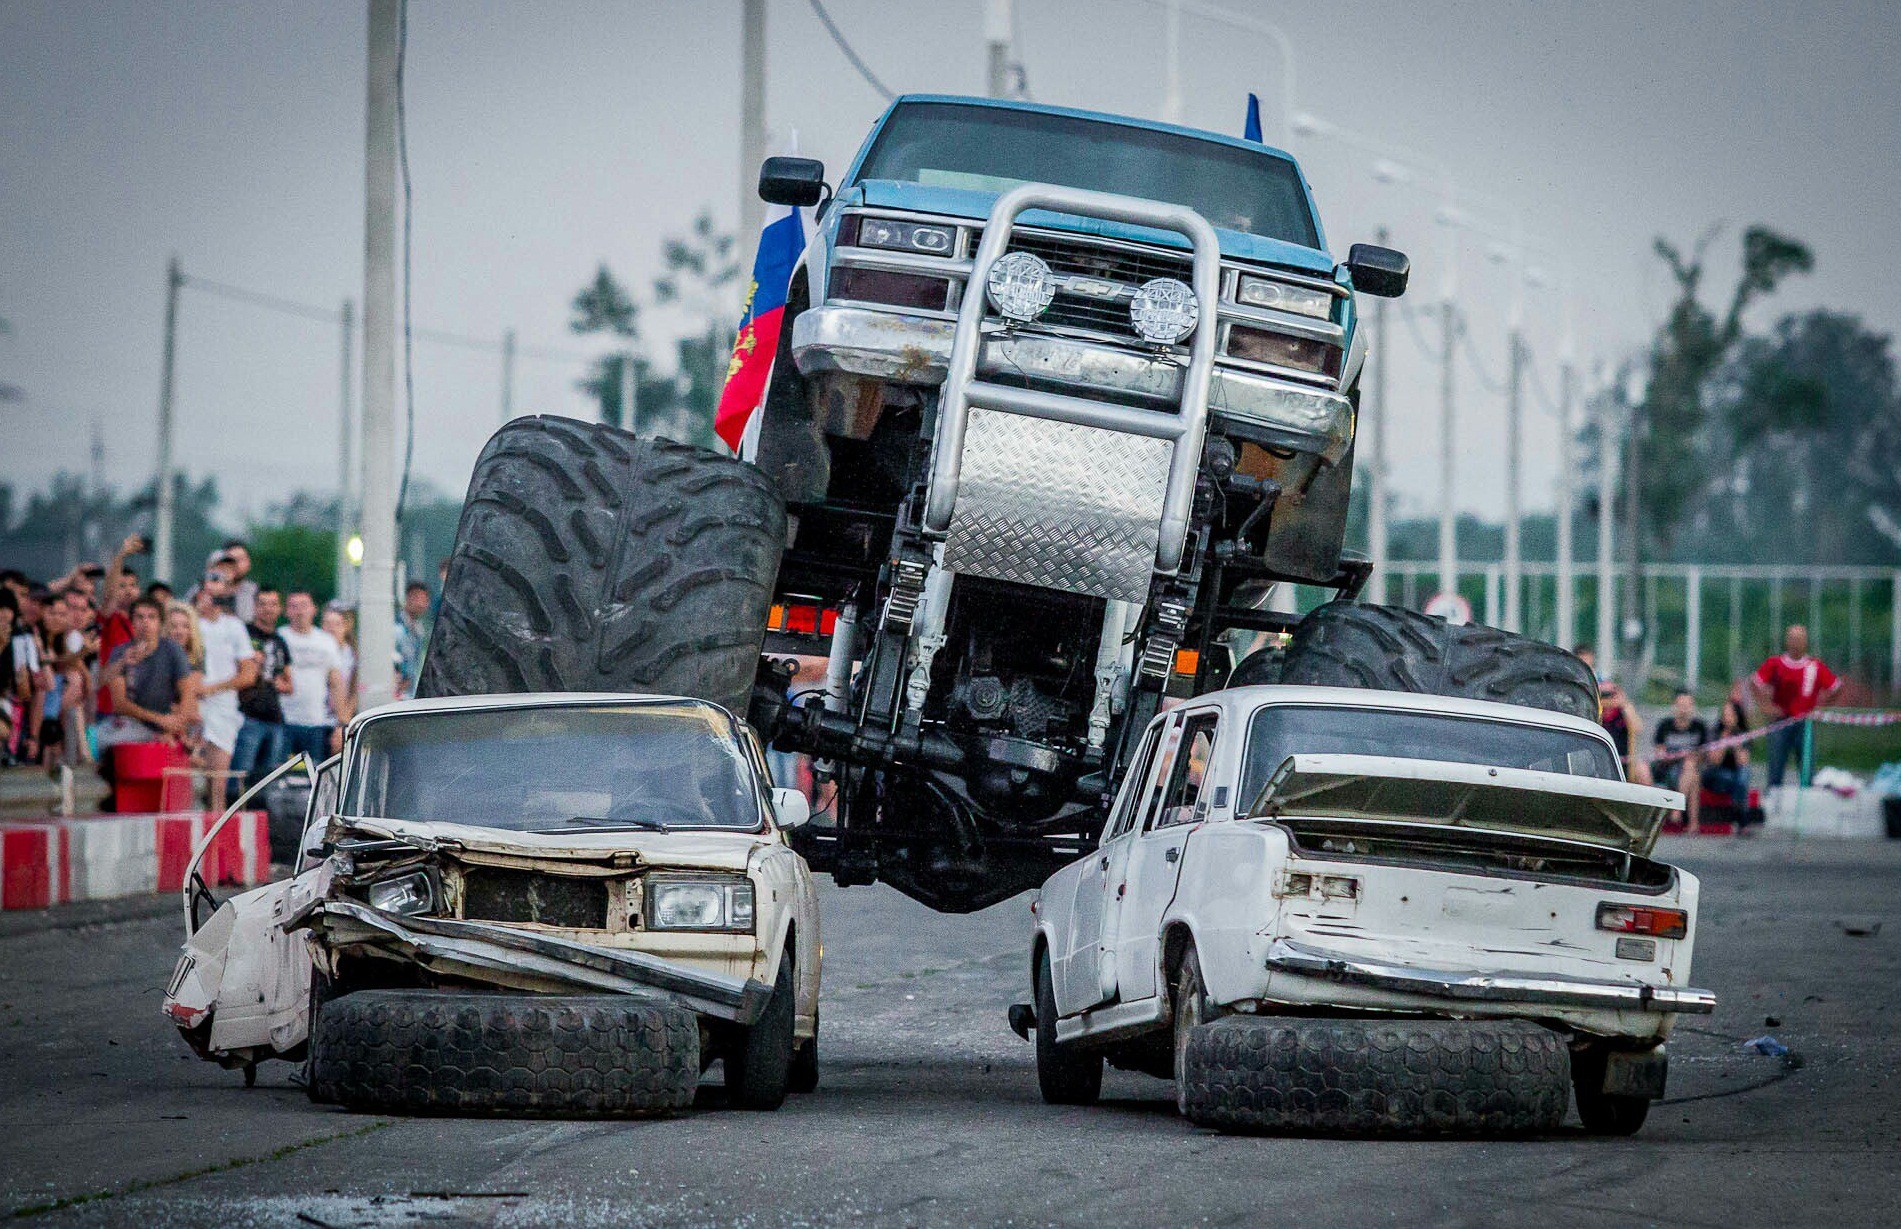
x,y
963,391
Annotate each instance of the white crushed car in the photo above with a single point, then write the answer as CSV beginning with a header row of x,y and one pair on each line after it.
x,y
527,903
1351,910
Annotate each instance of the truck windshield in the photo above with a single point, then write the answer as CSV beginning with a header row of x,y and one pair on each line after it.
x,y
993,149
556,769
1281,730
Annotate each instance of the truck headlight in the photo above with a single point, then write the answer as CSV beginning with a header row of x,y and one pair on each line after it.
x,y
411,895
1020,286
699,904
1164,311
895,235
1281,296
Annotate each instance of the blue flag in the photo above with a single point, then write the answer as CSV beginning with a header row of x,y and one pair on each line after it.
x,y
1253,132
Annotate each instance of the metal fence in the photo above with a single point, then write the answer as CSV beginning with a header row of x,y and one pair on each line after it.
x,y
1703,623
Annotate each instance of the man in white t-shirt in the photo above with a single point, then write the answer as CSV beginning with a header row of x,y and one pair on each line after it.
x,y
231,665
316,701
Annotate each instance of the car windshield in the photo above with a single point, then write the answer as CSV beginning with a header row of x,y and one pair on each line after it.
x,y
993,149
568,768
1280,730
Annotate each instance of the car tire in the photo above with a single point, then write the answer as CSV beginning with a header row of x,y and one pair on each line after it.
x,y
1603,1113
460,1052
587,559
1390,648
804,1076
1191,1011
1066,1074
759,1059
1377,1077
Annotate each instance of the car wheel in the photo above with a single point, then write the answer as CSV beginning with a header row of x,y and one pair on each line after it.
x,y
759,1061
1376,1077
1067,1074
453,1051
587,559
1604,1113
1192,1010
1345,644
804,1077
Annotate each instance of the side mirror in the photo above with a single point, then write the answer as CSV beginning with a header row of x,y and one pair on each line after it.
x,y
790,808
792,181
1378,271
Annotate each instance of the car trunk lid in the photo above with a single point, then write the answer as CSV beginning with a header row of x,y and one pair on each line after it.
x,y
1611,814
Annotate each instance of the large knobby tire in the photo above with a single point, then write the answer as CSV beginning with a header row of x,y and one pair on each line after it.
x,y
587,559
1390,648
461,1052
1373,1077
1066,1074
759,1060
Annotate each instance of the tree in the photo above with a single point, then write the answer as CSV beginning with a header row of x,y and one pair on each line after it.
x,y
604,306
1689,350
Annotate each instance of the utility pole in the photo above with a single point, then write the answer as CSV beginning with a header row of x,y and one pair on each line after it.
x,y
1448,471
346,446
997,28
1514,569
1606,638
1172,91
1634,629
162,517
629,394
1376,542
508,376
752,124
376,599
1567,613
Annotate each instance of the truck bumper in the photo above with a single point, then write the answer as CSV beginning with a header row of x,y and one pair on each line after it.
x,y
903,349
1286,956
504,956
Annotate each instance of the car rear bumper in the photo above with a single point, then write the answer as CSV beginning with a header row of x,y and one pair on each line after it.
x,y
905,349
1286,956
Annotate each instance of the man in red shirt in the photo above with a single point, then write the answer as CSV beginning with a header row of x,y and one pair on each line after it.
x,y
1792,684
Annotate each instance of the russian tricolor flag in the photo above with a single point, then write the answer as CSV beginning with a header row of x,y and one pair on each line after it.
x,y
750,368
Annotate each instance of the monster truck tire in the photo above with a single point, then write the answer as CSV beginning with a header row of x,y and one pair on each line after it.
x,y
587,559
457,1052
1399,1077
1344,644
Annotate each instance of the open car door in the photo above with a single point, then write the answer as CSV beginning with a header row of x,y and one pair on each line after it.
x,y
241,991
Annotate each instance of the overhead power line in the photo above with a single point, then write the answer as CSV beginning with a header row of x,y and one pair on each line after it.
x,y
838,36
1490,383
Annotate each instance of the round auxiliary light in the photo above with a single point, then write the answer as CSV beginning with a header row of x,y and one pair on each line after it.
x,y
1164,311
1020,285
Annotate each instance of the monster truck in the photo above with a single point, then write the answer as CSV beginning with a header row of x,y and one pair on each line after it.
x,y
1058,398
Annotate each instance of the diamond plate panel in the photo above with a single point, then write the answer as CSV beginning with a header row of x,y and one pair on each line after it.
x,y
1058,506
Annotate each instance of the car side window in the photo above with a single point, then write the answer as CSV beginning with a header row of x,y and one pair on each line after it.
x,y
1128,802
1183,799
323,804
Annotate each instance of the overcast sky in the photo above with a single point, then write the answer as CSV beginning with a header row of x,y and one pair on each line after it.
x,y
547,137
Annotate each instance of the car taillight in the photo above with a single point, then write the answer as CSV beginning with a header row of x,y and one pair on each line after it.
x,y
897,289
1643,920
1300,353
809,620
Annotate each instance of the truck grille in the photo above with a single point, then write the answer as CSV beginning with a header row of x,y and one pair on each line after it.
x,y
1110,264
490,894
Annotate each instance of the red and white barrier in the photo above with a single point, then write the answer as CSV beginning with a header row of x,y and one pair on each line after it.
x,y
99,857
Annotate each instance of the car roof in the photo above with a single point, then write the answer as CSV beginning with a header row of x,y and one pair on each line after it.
x,y
1247,699
527,699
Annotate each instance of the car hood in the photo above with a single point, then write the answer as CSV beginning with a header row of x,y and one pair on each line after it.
x,y
1613,814
697,849
974,204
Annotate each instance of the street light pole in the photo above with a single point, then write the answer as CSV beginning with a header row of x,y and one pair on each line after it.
x,y
1172,99
1376,538
997,28
164,512
376,598
508,376
346,445
752,124
1567,614
1514,561
1606,639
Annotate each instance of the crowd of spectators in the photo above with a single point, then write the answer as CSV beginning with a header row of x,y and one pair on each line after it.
x,y
1691,755
239,672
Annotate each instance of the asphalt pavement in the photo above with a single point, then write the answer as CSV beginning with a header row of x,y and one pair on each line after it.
x,y
928,1113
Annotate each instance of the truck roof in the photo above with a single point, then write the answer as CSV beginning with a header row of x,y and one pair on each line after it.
x,y
1247,699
